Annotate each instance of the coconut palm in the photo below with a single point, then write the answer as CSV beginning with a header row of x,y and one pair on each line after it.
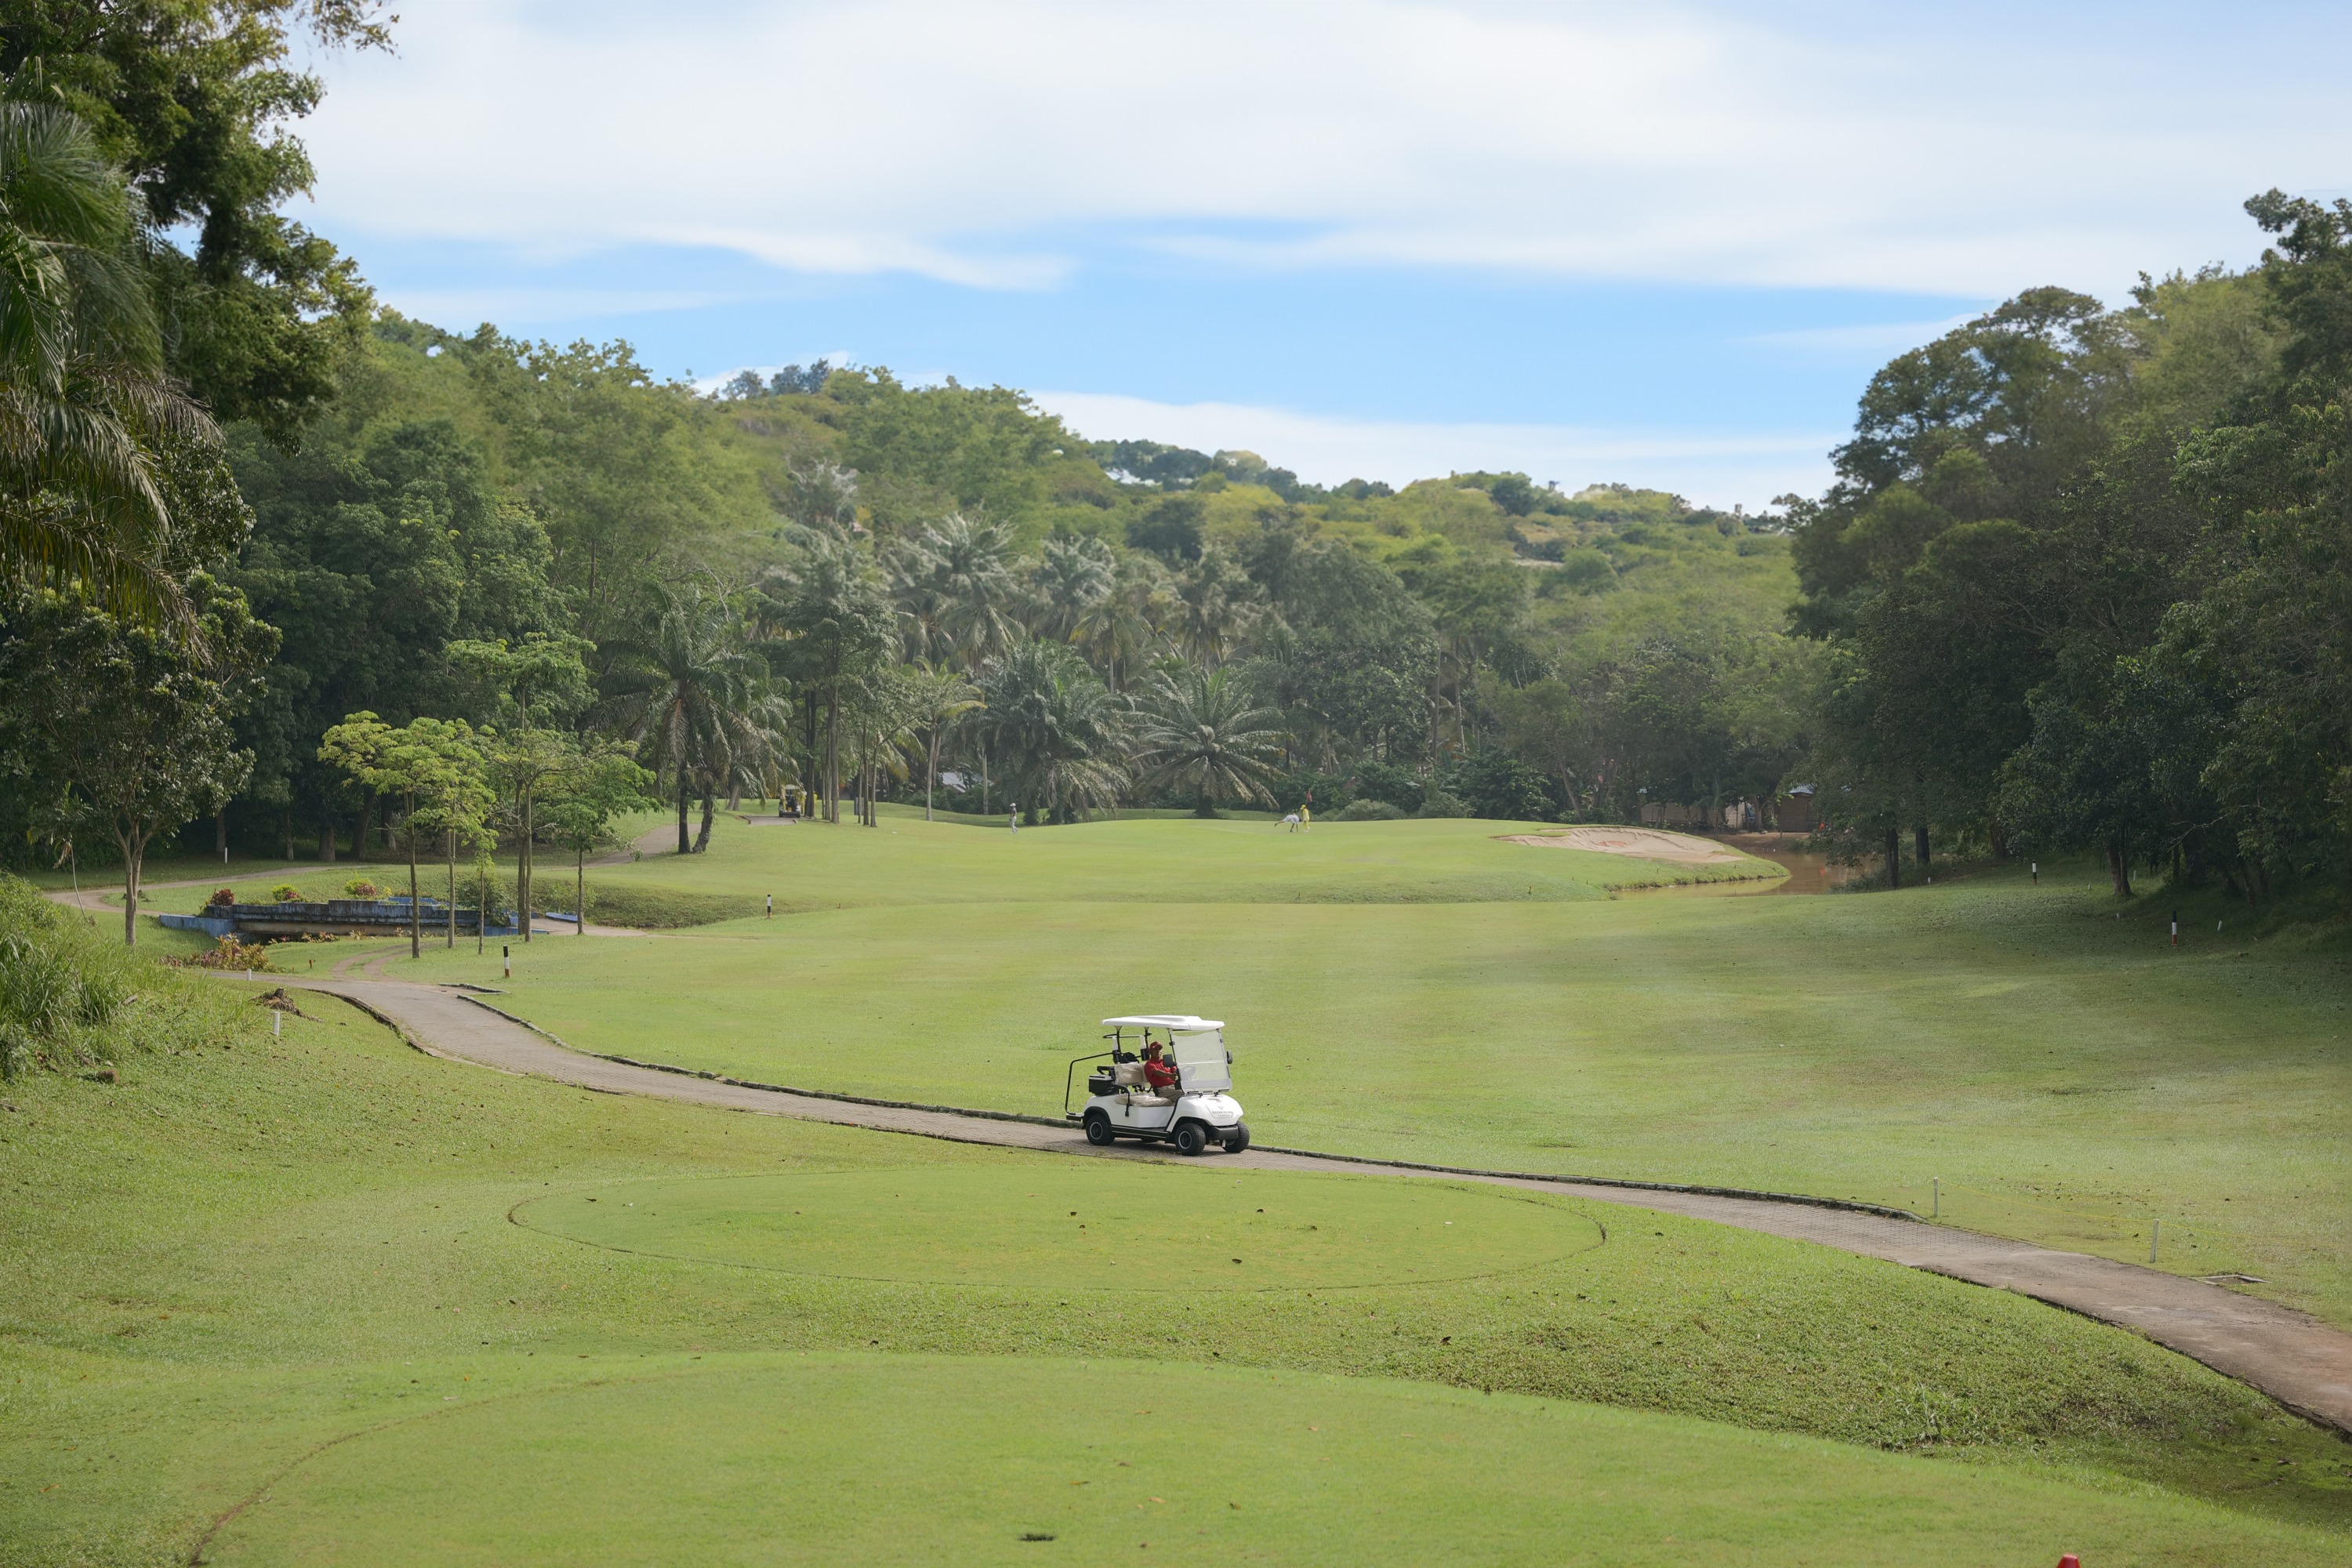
x,y
687,689
938,697
1073,575
956,591
1215,602
878,724
84,402
1059,732
828,609
1199,730
1121,631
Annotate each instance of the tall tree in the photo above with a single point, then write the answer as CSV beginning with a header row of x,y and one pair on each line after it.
x,y
600,780
1199,731
125,724
86,409
936,700
427,760
833,622
684,692
192,97
1057,731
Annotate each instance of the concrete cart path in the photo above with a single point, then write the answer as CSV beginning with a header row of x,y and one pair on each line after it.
x,y
2298,1361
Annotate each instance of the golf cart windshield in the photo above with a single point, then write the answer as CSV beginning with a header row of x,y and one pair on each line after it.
x,y
1200,1062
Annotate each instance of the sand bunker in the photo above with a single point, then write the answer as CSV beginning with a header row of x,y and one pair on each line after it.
x,y
1641,843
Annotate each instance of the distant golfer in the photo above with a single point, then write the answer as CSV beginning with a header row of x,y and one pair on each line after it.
x,y
1306,819
1013,818
1291,821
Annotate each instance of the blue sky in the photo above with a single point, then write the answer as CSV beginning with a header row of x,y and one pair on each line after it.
x,y
1663,244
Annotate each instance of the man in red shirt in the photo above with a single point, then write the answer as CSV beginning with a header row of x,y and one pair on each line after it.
x,y
1159,1071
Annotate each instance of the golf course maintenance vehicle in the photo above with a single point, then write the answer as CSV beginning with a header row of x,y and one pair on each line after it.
x,y
1166,1079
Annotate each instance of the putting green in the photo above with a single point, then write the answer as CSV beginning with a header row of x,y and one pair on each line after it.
x,y
848,1459
1095,1225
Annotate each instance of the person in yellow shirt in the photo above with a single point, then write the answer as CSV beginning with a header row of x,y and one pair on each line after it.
x,y
1306,817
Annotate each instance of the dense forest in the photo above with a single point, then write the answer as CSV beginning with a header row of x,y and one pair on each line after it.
x,y
291,572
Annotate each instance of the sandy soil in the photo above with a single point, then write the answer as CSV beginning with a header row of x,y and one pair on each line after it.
x,y
1641,843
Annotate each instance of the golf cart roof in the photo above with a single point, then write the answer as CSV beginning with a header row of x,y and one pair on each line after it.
x,y
1174,1023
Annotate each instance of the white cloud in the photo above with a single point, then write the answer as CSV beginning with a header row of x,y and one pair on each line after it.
x,y
522,309
1872,340
1710,469
1880,147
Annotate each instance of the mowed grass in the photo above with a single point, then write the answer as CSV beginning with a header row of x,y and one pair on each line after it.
x,y
242,1272
866,1459
2069,1077
1159,861
1082,1226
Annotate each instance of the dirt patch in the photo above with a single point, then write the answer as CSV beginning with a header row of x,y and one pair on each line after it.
x,y
1640,843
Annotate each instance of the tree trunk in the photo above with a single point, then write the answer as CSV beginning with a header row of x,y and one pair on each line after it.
x,y
134,855
327,831
220,833
452,911
709,804
2119,870
286,821
1919,842
2000,840
1893,858
932,773
833,756
415,908
523,864
579,887
367,826
685,799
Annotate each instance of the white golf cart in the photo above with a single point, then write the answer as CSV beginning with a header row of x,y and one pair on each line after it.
x,y
1194,1112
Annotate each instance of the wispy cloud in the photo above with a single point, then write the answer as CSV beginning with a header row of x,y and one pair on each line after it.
x,y
1872,340
1826,145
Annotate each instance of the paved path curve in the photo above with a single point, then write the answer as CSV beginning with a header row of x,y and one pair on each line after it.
x,y
2298,1361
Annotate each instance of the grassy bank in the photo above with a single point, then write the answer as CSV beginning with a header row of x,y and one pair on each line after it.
x,y
249,1248
2068,1076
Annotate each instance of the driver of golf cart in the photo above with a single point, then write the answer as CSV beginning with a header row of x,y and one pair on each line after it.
x,y
1159,1071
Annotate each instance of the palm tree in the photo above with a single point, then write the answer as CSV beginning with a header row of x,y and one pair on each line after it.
x,y
1215,604
880,718
84,400
1121,630
1059,731
688,691
1199,730
938,697
1073,575
955,590
828,608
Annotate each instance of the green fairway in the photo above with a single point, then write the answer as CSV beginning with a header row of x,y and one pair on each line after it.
x,y
253,1254
1087,1225
866,1459
811,866
2068,1076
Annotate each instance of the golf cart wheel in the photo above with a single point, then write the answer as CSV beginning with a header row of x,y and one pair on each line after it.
x,y
1192,1139
1237,1138
1098,1132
